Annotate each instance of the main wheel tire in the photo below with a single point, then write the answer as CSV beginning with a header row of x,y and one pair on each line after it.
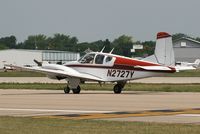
x,y
66,90
77,90
117,89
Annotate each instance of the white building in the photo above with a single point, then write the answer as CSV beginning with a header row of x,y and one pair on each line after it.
x,y
25,57
186,49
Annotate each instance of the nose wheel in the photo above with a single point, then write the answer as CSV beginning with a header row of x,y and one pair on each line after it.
x,y
74,90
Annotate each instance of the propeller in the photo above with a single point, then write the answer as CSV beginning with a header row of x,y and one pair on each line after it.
x,y
37,62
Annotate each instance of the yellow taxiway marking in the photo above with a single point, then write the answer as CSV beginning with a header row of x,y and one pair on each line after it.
x,y
124,114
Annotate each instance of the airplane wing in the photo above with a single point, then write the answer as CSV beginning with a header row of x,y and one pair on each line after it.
x,y
58,71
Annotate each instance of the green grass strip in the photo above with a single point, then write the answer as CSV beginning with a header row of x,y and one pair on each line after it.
x,y
107,87
21,74
17,125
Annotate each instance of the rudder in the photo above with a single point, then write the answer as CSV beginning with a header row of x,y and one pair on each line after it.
x,y
164,52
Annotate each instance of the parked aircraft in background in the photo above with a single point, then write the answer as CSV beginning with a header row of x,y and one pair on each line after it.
x,y
108,67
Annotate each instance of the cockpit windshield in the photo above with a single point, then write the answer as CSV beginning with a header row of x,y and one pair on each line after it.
x,y
89,58
93,58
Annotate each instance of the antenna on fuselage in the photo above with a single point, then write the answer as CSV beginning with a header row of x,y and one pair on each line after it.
x,y
112,50
102,49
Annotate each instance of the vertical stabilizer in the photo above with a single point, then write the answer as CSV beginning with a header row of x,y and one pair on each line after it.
x,y
164,51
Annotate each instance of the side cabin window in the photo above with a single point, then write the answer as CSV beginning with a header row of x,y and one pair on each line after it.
x,y
99,59
88,59
108,59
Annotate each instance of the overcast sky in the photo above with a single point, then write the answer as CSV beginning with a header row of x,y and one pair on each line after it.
x,y
92,20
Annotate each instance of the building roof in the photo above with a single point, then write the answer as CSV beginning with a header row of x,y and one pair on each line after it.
x,y
186,38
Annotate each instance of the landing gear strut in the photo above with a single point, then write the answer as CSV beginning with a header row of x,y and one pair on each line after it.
x,y
118,87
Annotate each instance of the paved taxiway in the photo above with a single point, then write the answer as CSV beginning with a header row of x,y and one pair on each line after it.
x,y
45,103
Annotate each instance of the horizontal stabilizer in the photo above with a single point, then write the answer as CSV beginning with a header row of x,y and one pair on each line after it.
x,y
184,68
196,63
154,68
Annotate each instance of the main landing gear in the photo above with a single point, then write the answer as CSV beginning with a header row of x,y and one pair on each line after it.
x,y
74,90
66,89
73,84
119,87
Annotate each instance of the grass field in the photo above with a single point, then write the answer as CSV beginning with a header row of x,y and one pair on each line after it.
x,y
193,73
108,87
16,125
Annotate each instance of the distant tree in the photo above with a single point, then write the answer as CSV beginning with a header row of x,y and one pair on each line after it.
x,y
123,45
107,45
94,46
97,45
73,41
3,46
197,38
35,42
8,42
62,42
20,45
41,42
72,45
149,47
30,43
81,47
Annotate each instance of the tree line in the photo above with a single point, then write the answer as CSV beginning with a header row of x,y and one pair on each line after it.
x,y
62,42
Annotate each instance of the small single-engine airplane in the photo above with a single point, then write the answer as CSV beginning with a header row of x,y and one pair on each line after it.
x,y
107,67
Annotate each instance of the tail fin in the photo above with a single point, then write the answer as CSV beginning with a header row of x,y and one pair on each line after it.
x,y
164,52
197,62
